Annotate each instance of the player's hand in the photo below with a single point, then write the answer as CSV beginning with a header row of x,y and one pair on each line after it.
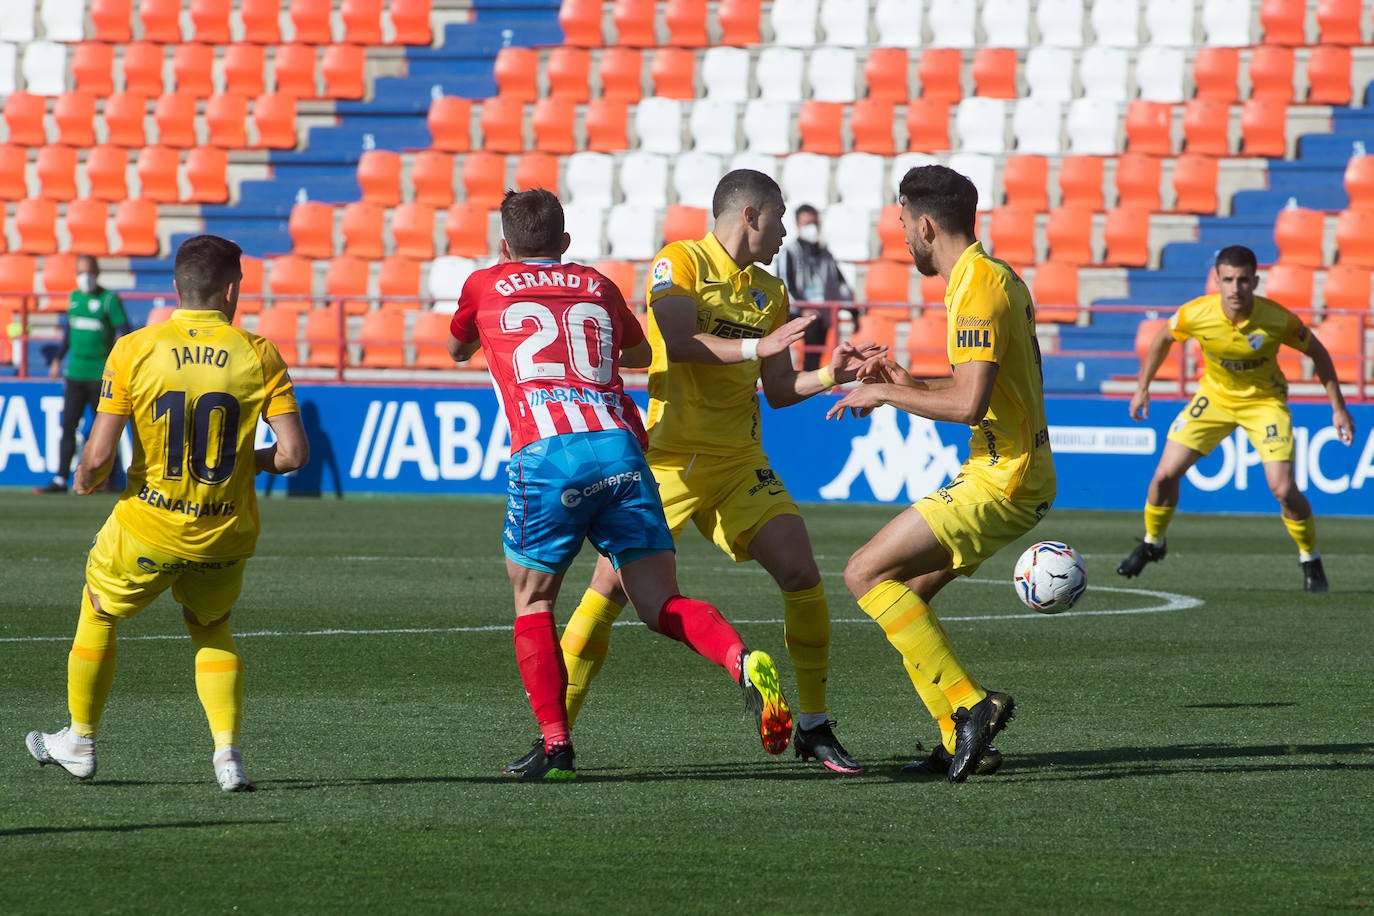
x,y
85,484
881,370
860,402
1345,426
848,359
1140,405
784,337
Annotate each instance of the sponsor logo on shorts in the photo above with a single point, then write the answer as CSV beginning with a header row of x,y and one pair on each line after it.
x,y
147,564
767,480
661,277
572,498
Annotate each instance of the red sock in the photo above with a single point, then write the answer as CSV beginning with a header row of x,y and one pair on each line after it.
x,y
541,669
703,630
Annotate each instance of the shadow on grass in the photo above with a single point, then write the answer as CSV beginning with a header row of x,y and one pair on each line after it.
x,y
1272,705
723,772
126,828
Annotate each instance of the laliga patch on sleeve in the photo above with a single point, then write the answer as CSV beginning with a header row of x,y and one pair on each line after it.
x,y
662,276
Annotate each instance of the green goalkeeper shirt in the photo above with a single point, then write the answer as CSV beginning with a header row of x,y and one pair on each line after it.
x,y
92,321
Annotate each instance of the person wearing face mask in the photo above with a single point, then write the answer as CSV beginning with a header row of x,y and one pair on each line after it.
x,y
810,273
95,317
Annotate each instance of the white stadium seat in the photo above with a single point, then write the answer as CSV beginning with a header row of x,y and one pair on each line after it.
x,y
583,225
1170,23
898,23
806,180
981,125
17,22
64,20
632,232
1049,73
1161,73
859,180
794,22
1104,73
1116,22
981,170
588,179
1060,22
1092,127
447,275
695,176
712,125
725,74
845,23
1006,23
953,23
903,163
778,73
831,73
759,162
848,232
1036,124
768,127
45,67
644,179
1226,23
9,59
658,124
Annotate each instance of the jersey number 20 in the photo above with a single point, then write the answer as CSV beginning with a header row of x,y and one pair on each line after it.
x,y
585,325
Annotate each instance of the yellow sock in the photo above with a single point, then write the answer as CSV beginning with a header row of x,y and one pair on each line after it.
x,y
90,667
586,639
219,679
1303,531
806,630
936,703
1157,522
913,631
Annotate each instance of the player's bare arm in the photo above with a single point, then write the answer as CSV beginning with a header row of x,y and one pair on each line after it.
x,y
965,400
461,352
784,384
1325,371
1154,358
291,451
99,453
637,357
676,317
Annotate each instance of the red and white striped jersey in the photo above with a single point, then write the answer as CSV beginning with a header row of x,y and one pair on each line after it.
x,y
552,333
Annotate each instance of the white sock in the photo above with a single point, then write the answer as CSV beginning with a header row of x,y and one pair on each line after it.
x,y
810,720
226,755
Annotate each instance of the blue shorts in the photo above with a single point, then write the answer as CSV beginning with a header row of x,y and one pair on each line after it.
x,y
595,486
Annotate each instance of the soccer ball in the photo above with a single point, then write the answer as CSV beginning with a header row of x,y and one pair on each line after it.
x,y
1050,577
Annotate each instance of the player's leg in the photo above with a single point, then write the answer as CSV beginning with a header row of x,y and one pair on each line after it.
x,y
1300,522
587,636
540,661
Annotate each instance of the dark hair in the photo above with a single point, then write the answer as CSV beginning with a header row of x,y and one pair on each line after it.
x,y
807,209
743,188
532,223
1237,256
941,193
205,265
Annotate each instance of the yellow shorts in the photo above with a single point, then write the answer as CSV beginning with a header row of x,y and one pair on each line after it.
x,y
729,499
127,576
1205,422
973,520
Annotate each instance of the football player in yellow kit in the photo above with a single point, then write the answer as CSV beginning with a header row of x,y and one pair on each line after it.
x,y
193,389
1001,492
1242,385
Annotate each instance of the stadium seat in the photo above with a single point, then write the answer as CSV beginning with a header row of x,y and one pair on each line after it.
x,y
859,181
553,125
898,23
343,68
19,23
832,73
261,21
465,227
112,20
17,274
634,23
981,170
1329,69
311,226
879,325
44,67
1264,128
56,171
1069,232
1171,370
1195,184
739,22
1283,22
361,227
759,162
1006,23
870,125
93,68
282,327
517,74
1348,288
398,284
1298,235
927,126
849,232
644,179
695,175
820,127
685,21
136,224
1104,73
74,115
1116,23
952,24
622,274
1049,73
1359,182
431,177
794,22
569,73
630,232
345,283
35,219
226,120
1137,182
891,235
712,124
778,72
412,230
244,66
581,23
293,71
994,73
658,124
207,171
274,116
725,74
1338,22
845,23
63,20
410,21
252,285
887,282
681,222
1290,285
502,122
310,21
193,69
1206,127
379,177
382,337
142,68
927,344
159,314
1126,236
932,289
483,176
1055,291
124,115
429,335
210,22
584,226
940,74
1271,73
1011,232
621,71
1148,128
672,72
1080,182
885,75
589,179
1025,181
1341,334
160,20
805,178
24,114
291,281
1227,22
537,170
175,117
87,227
981,125
1355,238
157,175
1060,22
1037,126
450,123
1160,74
13,162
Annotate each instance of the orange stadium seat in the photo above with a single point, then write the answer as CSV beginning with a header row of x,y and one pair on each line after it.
x,y
362,226
994,73
1126,235
193,69
465,227
362,21
1298,235
879,325
932,288
293,70
24,114
398,283
429,335
1012,233
891,235
940,73
58,275
1359,182
244,66
1171,370
634,23
1329,69
1283,22
1195,184
1055,291
517,74
927,343
739,22
274,116
1271,73
1355,238
484,179
412,230
261,21
345,282
503,125
607,125
107,169
311,226
820,125
1264,128
74,115
672,72
291,282
622,274
885,72
870,124
686,23
1290,285
142,68
210,22
56,170
1080,181
569,73
553,125
1342,336
226,120
17,275
927,125
581,23
1216,74
13,162
450,124
681,222
344,70
887,281
175,117
157,175
125,114
112,20
1026,181
383,340
310,19
161,20
1148,128
35,219
254,273
410,21
136,223
1348,287
159,314
92,67
621,74
1206,126
431,176
325,337
379,177
282,327
1338,22
87,227
536,170
1137,181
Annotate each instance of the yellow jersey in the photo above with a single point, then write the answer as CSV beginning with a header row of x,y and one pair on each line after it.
x,y
698,408
194,388
1240,359
992,319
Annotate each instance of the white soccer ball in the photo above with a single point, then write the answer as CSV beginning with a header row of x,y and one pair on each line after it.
x,y
1050,577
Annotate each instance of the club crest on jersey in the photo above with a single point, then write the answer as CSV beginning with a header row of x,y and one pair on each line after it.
x,y
1256,341
760,298
662,275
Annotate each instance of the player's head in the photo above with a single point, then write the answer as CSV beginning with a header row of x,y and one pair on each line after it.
x,y
532,226
87,272
748,207
937,202
1236,268
207,274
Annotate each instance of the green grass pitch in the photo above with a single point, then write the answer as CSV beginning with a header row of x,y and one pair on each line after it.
x,y
1206,748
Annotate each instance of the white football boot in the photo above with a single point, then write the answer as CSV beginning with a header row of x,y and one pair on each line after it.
x,y
71,752
229,771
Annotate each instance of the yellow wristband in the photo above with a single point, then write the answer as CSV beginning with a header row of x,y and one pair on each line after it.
x,y
825,377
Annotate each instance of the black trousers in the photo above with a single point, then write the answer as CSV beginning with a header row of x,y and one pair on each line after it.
x,y
76,397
